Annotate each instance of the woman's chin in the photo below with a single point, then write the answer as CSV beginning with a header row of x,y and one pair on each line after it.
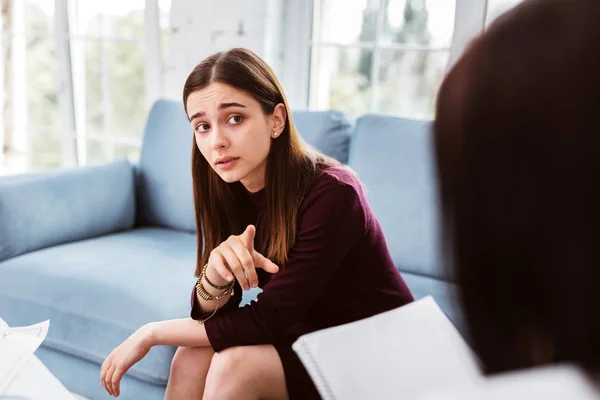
x,y
229,177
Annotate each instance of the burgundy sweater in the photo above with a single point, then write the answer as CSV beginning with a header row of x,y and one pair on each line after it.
x,y
338,271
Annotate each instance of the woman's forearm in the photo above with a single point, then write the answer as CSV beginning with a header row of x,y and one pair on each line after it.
x,y
184,332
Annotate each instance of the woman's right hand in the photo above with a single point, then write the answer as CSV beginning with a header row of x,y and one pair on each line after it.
x,y
236,257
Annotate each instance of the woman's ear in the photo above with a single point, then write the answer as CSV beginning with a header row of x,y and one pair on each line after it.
x,y
279,118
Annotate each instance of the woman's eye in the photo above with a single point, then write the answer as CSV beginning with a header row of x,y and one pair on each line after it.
x,y
202,128
236,119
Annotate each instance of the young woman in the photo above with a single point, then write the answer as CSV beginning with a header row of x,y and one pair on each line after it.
x,y
274,214
517,141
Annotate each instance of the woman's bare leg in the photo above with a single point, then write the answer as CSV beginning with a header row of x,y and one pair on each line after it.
x,y
248,372
188,373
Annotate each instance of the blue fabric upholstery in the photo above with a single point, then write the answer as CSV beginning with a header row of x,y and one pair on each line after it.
x,y
62,206
327,131
83,377
392,156
165,171
97,292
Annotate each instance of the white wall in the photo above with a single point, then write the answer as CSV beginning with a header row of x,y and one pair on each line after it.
x,y
200,28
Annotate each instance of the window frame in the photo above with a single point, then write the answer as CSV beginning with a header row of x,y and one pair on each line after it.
x,y
153,83
295,70
71,87
470,18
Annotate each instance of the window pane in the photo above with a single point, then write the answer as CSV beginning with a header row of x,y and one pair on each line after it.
x,y
96,152
344,21
409,82
31,120
165,30
39,17
425,22
340,79
127,89
109,18
115,88
42,84
45,149
132,153
95,116
498,7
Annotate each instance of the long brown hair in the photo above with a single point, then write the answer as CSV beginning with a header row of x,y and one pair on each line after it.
x,y
290,169
517,142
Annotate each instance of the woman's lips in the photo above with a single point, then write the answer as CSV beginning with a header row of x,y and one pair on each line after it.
x,y
227,163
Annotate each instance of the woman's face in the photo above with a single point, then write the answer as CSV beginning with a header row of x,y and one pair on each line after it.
x,y
233,133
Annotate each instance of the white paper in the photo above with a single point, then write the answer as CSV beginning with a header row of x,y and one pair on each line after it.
x,y
394,355
17,345
551,382
36,382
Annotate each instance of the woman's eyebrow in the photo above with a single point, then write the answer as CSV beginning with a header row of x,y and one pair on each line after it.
x,y
222,106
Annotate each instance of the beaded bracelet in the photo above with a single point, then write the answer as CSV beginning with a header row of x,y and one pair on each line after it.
x,y
204,295
203,274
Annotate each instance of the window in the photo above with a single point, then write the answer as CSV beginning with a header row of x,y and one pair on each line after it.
x,y
94,79
386,56
496,7
29,117
107,56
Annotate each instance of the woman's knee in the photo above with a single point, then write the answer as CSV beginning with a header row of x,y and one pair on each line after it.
x,y
225,375
228,362
191,361
246,372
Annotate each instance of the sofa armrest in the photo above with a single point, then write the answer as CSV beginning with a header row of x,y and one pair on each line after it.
x,y
51,208
398,354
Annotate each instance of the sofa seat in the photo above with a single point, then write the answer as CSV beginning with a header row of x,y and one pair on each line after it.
x,y
97,292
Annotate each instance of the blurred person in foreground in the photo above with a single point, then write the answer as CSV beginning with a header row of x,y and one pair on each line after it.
x,y
517,142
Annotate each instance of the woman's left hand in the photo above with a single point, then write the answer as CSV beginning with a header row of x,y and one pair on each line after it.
x,y
124,357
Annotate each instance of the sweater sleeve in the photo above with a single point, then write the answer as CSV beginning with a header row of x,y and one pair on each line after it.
x,y
331,221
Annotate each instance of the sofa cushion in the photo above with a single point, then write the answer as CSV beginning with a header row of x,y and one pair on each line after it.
x,y
81,376
164,178
393,158
327,131
49,208
97,292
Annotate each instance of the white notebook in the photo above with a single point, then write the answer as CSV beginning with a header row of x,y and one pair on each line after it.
x,y
399,354
557,382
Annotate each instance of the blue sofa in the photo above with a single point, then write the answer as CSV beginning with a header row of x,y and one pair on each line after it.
x,y
102,250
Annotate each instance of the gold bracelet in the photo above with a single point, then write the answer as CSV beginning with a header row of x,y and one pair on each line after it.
x,y
213,313
217,287
204,295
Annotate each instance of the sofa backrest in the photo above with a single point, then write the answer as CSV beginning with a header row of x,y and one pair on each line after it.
x,y
164,175
164,178
393,158
49,208
328,131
